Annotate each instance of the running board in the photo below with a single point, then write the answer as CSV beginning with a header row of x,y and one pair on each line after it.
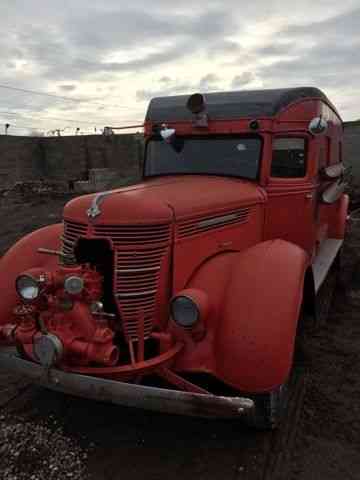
x,y
324,259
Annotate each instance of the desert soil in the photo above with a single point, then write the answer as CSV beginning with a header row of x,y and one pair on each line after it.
x,y
53,436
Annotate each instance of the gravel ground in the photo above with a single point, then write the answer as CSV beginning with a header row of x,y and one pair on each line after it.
x,y
38,450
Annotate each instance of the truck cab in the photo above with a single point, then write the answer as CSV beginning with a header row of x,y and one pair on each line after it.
x,y
264,137
198,276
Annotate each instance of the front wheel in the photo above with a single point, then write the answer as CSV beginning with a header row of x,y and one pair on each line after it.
x,y
270,408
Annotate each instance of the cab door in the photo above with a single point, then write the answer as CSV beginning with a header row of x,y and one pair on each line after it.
x,y
291,188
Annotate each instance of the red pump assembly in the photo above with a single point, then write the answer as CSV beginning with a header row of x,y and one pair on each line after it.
x,y
64,327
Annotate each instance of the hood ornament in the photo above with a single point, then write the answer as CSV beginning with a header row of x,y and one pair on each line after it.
x,y
94,209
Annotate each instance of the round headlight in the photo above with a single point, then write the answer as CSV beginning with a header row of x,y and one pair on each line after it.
x,y
184,311
74,285
27,287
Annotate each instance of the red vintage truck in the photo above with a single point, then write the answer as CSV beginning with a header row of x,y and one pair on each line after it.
x,y
188,292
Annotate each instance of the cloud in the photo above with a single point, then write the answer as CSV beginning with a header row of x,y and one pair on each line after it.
x,y
225,48
321,67
344,26
241,80
120,55
67,88
165,79
209,82
113,41
176,89
277,49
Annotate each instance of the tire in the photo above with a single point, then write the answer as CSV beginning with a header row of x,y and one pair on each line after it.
x,y
270,409
325,294
310,324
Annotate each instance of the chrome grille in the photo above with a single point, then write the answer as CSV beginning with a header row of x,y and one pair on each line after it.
x,y
72,232
202,224
138,252
136,285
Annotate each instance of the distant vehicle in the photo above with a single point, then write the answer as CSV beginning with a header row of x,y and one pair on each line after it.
x,y
187,292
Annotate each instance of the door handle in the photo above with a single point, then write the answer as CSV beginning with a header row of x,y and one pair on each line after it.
x,y
309,196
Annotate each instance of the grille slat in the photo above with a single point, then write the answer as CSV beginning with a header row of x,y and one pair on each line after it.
x,y
134,234
138,270
198,225
126,283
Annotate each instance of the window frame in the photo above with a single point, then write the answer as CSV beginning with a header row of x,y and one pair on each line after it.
x,y
306,150
239,135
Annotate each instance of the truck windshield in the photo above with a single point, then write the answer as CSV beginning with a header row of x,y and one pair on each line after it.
x,y
234,156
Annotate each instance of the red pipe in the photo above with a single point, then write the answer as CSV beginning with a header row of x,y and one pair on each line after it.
x,y
7,334
99,353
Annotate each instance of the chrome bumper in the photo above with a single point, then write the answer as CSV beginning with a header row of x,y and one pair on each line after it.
x,y
127,394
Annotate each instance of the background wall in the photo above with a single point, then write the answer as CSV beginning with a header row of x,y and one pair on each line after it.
x,y
67,158
352,149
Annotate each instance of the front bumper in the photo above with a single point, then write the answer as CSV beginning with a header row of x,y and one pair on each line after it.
x,y
127,394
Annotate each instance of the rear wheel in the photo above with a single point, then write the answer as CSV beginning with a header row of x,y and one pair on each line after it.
x,y
309,324
325,294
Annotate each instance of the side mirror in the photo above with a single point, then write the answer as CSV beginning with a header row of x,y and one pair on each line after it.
x,y
318,126
333,192
333,171
167,133
170,137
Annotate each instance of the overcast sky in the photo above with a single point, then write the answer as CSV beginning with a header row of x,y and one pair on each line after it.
x,y
112,56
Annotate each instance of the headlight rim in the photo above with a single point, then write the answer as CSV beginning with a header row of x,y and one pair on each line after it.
x,y
36,284
71,278
190,299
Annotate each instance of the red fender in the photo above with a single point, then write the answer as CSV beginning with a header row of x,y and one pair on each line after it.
x,y
23,256
255,338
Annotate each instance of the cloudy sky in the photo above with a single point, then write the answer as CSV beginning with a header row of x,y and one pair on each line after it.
x,y
108,58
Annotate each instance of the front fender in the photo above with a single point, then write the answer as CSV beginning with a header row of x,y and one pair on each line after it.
x,y
255,337
23,256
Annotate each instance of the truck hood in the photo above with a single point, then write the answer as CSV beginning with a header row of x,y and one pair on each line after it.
x,y
165,199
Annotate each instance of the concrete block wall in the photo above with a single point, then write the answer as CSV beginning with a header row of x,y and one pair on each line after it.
x,y
67,158
20,158
351,149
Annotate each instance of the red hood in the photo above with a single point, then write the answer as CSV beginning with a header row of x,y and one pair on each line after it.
x,y
158,200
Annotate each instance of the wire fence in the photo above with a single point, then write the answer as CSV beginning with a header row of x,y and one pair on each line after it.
x,y
39,123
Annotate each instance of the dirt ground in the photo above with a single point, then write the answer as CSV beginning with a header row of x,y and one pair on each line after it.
x,y
76,438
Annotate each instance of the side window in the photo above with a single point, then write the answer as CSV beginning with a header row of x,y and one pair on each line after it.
x,y
289,158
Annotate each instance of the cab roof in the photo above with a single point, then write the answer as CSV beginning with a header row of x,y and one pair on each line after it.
x,y
232,105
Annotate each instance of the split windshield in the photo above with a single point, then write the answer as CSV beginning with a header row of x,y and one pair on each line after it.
x,y
235,156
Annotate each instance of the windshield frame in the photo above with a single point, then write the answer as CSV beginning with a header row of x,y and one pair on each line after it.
x,y
214,136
